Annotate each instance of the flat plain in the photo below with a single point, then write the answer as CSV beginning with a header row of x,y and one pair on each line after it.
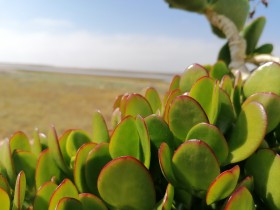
x,y
30,100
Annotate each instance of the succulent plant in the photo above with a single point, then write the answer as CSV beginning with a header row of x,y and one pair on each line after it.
x,y
210,143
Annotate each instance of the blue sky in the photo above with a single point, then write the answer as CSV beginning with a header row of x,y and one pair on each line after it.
x,y
140,35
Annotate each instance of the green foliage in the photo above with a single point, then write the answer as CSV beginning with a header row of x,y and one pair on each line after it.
x,y
213,147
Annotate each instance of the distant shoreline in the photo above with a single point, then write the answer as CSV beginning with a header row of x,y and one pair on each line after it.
x,y
9,67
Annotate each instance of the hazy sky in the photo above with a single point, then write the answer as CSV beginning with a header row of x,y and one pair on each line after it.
x,y
121,34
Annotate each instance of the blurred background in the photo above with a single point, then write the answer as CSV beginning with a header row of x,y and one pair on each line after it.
x,y
68,36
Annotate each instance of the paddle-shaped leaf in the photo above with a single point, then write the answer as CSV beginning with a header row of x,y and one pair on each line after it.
x,y
25,161
227,84
206,92
264,166
100,130
223,185
117,181
125,139
52,173
248,182
43,196
155,124
75,140
145,144
4,184
271,104
19,193
165,161
219,70
136,104
170,97
36,146
226,115
190,76
5,200
191,5
19,141
184,113
252,33
152,95
97,158
175,83
65,189
168,198
67,203
248,133
193,160
6,161
265,79
55,151
240,199
79,167
211,135
91,201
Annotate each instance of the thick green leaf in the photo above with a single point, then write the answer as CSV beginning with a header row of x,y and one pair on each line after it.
x,y
240,199
62,144
136,104
248,133
19,193
5,200
224,54
190,5
19,141
247,182
171,96
25,161
184,113
252,33
67,203
152,95
36,146
55,151
264,49
116,118
4,184
174,84
168,198
226,115
79,167
125,139
271,104
219,70
206,92
193,160
223,185
91,201
43,196
97,158
117,102
227,84
213,137
236,94
100,130
264,166
116,183
190,76
145,143
155,124
165,161
75,140
65,189
6,161
265,79
52,173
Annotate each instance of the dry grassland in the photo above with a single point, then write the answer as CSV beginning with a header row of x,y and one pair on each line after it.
x,y
31,100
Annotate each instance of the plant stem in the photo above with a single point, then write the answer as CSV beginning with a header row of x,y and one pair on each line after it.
x,y
236,43
263,58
